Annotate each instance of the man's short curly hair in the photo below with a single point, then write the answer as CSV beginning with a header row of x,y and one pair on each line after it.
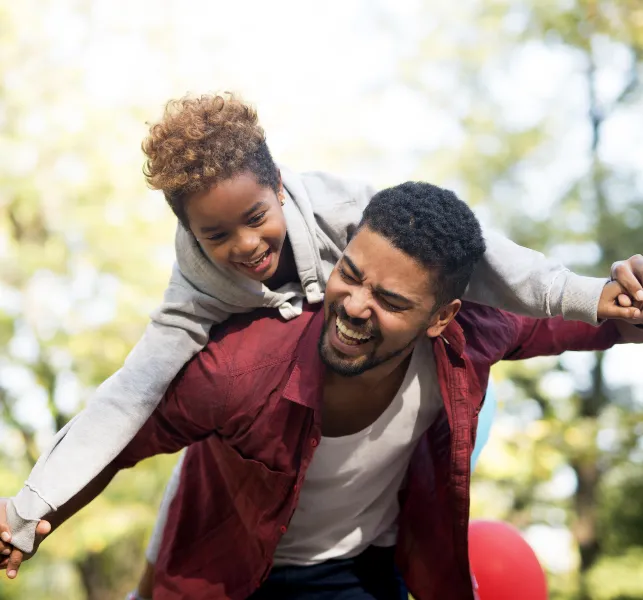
x,y
202,141
434,227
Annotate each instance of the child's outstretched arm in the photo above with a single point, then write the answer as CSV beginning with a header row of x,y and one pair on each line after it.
x,y
509,276
188,412
119,408
526,282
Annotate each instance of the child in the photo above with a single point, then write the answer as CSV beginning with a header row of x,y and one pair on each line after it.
x,y
249,235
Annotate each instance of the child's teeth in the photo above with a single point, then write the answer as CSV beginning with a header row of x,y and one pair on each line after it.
x,y
256,262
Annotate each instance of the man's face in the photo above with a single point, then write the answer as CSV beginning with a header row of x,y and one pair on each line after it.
x,y
378,303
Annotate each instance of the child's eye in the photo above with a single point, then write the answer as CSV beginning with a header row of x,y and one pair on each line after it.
x,y
257,219
217,237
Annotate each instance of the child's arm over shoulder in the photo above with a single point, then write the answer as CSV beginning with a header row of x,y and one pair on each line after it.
x,y
119,408
509,276
526,282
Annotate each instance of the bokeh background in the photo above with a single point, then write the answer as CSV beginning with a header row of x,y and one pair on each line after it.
x,y
532,110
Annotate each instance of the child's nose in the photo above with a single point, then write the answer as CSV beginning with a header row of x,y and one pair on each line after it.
x,y
247,244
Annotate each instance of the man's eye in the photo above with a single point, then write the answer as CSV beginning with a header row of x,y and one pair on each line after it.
x,y
257,219
388,306
346,276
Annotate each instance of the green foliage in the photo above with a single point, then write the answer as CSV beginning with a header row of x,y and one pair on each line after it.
x,y
80,237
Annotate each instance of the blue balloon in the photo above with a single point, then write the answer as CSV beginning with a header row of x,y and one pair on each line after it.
x,y
485,420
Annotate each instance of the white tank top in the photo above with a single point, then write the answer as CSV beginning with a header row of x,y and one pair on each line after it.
x,y
348,500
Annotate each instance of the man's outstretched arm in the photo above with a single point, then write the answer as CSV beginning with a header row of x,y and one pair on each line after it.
x,y
537,337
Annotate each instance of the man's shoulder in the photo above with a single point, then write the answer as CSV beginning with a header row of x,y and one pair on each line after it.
x,y
480,316
487,331
260,337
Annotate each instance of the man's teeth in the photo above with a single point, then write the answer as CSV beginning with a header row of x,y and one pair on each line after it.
x,y
349,334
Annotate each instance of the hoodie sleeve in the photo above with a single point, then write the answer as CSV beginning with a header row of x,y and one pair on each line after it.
x,y
509,277
179,329
526,282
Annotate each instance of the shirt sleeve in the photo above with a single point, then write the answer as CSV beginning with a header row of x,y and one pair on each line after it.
x,y
511,277
119,408
546,337
189,412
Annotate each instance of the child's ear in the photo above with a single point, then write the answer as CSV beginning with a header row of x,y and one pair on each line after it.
x,y
281,194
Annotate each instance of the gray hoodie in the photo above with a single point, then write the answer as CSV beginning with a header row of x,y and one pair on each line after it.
x,y
322,212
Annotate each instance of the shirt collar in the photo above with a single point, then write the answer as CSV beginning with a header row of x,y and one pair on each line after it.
x,y
454,337
305,384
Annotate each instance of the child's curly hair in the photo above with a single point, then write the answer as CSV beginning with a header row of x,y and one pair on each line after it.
x,y
202,141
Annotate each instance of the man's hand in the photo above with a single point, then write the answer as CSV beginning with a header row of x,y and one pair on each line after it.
x,y
629,333
11,558
629,273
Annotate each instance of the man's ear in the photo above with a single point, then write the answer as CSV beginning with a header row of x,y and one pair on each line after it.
x,y
442,318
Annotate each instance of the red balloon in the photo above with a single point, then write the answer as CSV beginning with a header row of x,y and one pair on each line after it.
x,y
503,563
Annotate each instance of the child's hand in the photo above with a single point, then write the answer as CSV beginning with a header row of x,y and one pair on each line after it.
x,y
627,304
629,273
610,305
5,533
10,557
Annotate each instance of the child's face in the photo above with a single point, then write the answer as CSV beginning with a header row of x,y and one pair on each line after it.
x,y
240,225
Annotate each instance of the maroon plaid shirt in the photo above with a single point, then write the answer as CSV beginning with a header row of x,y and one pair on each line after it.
x,y
249,408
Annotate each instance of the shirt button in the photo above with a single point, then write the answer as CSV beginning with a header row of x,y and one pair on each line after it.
x,y
283,529
314,443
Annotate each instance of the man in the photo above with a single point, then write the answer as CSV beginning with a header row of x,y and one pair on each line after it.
x,y
330,456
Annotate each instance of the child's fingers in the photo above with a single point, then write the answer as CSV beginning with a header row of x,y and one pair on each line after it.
x,y
5,537
43,528
5,534
621,312
624,300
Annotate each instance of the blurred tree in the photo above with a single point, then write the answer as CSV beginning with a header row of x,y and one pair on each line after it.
x,y
81,255
545,160
592,218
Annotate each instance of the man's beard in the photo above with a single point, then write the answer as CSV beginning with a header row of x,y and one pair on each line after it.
x,y
349,367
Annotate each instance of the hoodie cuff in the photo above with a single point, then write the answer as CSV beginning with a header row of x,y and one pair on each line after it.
x,y
580,298
19,510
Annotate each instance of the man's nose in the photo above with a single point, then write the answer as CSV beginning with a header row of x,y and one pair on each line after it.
x,y
357,305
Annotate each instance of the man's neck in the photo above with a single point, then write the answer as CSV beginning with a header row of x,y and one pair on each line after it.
x,y
353,403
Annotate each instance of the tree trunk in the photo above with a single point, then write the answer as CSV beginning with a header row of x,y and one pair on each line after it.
x,y
588,475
